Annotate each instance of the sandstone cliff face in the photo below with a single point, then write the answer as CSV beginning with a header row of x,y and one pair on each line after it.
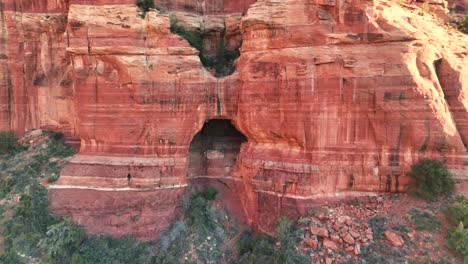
x,y
334,98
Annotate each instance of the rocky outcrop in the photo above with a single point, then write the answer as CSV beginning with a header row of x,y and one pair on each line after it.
x,y
334,99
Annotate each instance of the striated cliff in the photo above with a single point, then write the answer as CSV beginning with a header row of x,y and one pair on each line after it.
x,y
327,99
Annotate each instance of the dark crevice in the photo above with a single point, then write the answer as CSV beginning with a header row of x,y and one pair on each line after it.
x,y
221,61
218,48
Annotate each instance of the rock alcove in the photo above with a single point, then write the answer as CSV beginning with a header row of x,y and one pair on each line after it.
x,y
214,150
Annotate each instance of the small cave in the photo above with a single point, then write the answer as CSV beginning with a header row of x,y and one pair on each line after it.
x,y
213,155
214,150
212,43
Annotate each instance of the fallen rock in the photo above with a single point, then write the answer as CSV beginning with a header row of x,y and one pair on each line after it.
x,y
323,217
354,234
343,218
313,243
328,244
319,231
336,239
348,238
394,239
344,229
357,249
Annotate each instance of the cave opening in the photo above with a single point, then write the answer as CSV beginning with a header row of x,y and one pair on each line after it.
x,y
214,149
213,155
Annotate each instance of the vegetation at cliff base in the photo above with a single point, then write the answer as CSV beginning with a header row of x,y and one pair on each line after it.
x,y
206,232
457,237
8,144
30,234
423,220
429,179
280,248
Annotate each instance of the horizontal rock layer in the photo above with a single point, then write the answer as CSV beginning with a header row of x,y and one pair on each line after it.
x,y
335,99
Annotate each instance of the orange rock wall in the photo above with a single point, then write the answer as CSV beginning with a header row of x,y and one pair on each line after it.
x,y
336,99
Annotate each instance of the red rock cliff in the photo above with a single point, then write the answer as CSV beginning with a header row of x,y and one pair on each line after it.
x,y
332,98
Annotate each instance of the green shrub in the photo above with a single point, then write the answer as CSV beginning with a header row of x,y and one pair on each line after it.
x,y
422,220
262,249
284,234
6,185
105,249
255,249
458,211
201,237
209,193
463,25
429,179
62,239
377,225
222,63
381,253
8,143
193,37
304,221
29,222
145,5
458,240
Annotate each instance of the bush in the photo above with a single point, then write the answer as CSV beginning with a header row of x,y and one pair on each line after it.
x,y
195,38
423,220
377,225
201,237
8,144
429,179
262,249
6,185
458,211
458,240
381,253
105,249
29,222
222,63
62,239
209,193
255,249
463,25
144,6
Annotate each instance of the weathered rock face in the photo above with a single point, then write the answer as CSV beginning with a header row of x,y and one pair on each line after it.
x,y
206,7
329,99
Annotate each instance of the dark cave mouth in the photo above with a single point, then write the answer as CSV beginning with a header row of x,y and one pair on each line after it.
x,y
214,150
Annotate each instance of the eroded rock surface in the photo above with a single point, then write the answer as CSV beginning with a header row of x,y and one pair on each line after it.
x,y
334,99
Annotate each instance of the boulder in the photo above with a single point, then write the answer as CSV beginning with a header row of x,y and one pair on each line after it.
x,y
313,243
328,244
347,238
394,239
319,231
